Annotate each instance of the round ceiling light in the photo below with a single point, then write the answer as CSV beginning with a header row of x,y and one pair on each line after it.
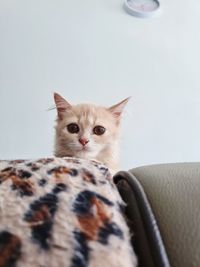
x,y
142,8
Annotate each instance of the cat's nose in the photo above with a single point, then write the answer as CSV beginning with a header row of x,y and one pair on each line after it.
x,y
83,141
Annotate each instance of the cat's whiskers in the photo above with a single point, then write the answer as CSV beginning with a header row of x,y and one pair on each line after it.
x,y
51,108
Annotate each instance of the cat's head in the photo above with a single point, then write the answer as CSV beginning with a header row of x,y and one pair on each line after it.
x,y
86,130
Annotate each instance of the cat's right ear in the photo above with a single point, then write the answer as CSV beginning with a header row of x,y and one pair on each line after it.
x,y
61,105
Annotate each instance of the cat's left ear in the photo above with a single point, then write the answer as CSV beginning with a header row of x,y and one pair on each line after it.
x,y
117,109
61,104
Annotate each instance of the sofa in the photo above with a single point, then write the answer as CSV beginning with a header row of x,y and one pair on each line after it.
x,y
163,213
162,210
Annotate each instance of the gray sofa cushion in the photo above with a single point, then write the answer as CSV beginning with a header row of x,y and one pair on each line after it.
x,y
164,213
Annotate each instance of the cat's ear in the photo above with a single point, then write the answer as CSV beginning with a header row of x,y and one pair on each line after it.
x,y
117,109
61,105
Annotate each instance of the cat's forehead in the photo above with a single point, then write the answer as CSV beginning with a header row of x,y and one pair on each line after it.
x,y
88,114
85,110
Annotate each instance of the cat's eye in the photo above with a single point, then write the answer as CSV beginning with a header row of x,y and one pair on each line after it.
x,y
72,128
99,130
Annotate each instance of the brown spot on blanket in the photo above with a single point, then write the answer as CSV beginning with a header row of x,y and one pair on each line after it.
x,y
10,249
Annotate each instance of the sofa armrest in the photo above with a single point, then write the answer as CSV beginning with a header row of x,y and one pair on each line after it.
x,y
163,210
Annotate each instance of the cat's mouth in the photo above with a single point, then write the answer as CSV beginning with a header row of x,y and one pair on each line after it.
x,y
85,148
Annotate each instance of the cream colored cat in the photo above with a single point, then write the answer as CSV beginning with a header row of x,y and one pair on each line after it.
x,y
88,131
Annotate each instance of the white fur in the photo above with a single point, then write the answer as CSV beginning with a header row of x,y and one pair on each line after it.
x,y
116,253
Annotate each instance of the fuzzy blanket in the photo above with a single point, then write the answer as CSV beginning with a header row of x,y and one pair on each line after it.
x,y
61,212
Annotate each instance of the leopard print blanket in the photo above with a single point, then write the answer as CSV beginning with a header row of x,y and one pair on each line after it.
x,y
61,212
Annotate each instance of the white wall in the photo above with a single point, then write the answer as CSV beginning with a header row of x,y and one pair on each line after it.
x,y
92,51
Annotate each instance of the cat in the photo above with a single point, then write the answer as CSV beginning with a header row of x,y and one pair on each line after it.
x,y
88,131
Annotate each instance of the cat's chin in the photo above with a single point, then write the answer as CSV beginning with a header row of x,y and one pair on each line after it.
x,y
86,154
